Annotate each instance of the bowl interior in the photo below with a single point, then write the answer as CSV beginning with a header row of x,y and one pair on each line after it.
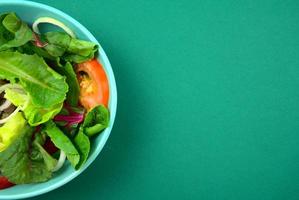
x,y
29,11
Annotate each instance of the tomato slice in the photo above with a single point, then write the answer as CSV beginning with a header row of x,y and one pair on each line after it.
x,y
5,183
94,86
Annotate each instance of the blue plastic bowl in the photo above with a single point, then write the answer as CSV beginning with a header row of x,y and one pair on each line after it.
x,y
30,11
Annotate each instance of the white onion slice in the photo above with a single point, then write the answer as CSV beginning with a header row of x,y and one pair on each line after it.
x,y
54,22
4,87
2,121
60,162
5,105
9,85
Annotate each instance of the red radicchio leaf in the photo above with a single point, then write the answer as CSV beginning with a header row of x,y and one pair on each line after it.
x,y
72,117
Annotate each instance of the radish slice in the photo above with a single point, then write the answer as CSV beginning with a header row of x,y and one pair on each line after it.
x,y
2,121
5,105
60,162
54,22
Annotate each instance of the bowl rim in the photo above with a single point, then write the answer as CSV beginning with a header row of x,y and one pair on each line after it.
x,y
112,101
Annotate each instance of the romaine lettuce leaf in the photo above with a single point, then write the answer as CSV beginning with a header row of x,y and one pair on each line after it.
x,y
35,115
62,142
45,87
18,163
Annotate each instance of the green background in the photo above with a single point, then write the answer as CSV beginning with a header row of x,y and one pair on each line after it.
x,y
208,100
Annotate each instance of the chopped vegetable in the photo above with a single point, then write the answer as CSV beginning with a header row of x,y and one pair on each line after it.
x,y
68,48
94,86
5,183
74,118
45,87
54,22
60,161
5,105
96,120
13,32
71,79
5,120
38,42
83,145
70,117
62,142
11,130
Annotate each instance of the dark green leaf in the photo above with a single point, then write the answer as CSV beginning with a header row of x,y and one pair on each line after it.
x,y
62,142
19,35
11,22
83,145
50,162
96,120
45,86
19,164
77,58
70,49
72,81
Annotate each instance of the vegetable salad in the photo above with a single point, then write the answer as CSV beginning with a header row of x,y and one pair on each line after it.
x,y
54,99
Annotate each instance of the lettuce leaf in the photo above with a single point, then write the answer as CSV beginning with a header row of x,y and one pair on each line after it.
x,y
70,49
49,161
45,87
34,114
96,120
62,142
25,161
83,145
72,96
14,32
10,130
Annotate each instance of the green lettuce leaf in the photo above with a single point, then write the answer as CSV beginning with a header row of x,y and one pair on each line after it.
x,y
45,87
35,115
57,43
67,70
96,120
83,145
18,163
14,32
62,142
10,130
5,35
70,49
49,161
39,153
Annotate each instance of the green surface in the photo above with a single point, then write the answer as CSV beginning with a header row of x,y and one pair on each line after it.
x,y
208,100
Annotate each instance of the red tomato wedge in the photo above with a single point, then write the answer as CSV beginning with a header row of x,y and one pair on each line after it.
x,y
94,86
4,183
